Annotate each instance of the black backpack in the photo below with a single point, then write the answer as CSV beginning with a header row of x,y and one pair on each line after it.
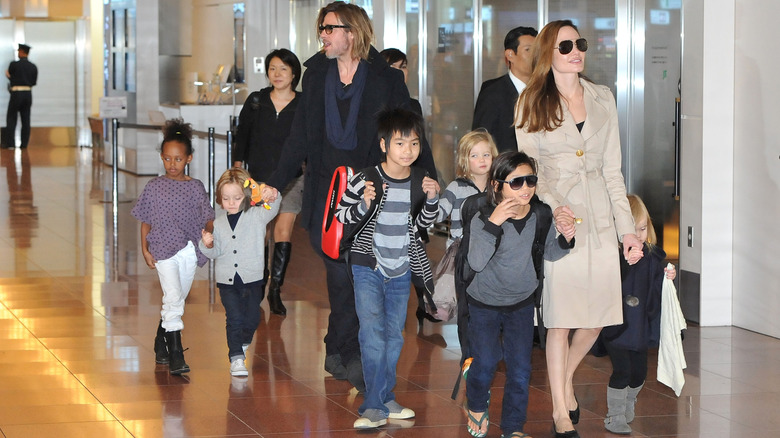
x,y
464,275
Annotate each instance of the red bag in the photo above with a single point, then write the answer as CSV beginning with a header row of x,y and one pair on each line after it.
x,y
332,229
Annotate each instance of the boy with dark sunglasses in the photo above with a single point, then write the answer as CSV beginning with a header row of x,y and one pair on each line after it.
x,y
501,296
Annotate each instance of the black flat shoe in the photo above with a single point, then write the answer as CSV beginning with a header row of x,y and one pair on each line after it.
x,y
574,415
567,434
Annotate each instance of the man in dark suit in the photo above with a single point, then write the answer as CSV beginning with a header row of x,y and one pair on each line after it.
x,y
23,75
495,109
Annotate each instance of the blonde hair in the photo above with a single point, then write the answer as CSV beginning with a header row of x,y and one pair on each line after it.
x,y
359,25
235,175
466,144
539,106
639,212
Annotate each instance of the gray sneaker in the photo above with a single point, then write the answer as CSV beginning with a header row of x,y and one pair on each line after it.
x,y
371,418
398,412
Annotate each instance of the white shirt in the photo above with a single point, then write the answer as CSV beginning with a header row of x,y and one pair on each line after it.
x,y
519,85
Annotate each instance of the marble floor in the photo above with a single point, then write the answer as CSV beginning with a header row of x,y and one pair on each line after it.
x,y
79,308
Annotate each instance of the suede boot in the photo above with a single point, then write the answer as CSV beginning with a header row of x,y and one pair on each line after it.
x,y
177,365
279,264
160,347
631,396
616,413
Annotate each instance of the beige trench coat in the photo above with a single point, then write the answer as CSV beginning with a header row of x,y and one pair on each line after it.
x,y
583,171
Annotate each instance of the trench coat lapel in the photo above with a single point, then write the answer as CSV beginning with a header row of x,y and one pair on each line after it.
x,y
597,113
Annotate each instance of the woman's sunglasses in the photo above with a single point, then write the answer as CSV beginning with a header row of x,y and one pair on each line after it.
x,y
517,182
565,47
328,28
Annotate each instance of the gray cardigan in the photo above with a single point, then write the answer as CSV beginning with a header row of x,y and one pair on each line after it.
x,y
241,250
505,274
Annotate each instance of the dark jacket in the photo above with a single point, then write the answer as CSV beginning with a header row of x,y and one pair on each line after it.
x,y
308,141
641,323
495,111
23,72
261,133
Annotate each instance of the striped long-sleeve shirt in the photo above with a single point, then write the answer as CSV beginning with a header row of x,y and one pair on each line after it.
x,y
450,203
376,237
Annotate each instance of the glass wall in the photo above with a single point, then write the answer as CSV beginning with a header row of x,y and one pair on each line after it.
x,y
498,18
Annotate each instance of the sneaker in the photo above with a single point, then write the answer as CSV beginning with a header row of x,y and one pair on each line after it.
x,y
398,412
371,418
238,368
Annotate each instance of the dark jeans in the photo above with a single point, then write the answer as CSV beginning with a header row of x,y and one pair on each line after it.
x,y
629,368
19,102
343,325
242,316
491,334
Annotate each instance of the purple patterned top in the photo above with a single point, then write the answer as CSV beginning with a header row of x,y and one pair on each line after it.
x,y
177,211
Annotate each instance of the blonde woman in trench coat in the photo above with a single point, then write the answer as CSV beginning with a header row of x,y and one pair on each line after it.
x,y
581,179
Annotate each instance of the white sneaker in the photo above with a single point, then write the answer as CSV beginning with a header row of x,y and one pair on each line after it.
x,y
398,412
238,368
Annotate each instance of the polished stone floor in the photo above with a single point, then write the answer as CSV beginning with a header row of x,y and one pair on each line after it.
x,y
79,308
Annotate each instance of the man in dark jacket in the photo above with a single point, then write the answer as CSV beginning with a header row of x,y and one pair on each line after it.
x,y
345,86
495,109
23,75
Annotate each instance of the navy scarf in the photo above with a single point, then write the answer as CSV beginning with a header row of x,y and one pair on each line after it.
x,y
341,136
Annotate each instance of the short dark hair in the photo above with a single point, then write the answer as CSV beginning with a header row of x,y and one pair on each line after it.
x,y
504,164
177,130
393,55
289,59
511,39
398,120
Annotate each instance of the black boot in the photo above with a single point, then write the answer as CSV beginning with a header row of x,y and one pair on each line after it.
x,y
177,365
278,268
160,348
266,273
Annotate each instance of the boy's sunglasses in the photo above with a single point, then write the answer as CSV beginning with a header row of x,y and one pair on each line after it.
x,y
565,47
517,182
328,28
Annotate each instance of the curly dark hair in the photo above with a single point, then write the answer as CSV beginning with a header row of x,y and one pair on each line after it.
x,y
177,130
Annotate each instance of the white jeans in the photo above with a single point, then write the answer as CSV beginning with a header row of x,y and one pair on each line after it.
x,y
176,275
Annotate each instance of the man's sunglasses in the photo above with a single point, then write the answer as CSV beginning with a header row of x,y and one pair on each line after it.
x,y
565,47
517,182
328,28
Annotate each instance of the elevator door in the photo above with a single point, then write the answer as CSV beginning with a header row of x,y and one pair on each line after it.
x,y
649,146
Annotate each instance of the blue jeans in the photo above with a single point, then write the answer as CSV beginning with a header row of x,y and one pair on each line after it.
x,y
242,316
491,333
381,308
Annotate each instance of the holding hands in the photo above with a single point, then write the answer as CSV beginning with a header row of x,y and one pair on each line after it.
x,y
208,238
565,222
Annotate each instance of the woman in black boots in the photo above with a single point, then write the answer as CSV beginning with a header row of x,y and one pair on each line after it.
x,y
263,125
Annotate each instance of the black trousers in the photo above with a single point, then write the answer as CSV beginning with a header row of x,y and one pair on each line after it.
x,y
19,103
629,368
343,325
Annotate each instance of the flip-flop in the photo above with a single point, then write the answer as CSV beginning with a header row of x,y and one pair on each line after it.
x,y
478,433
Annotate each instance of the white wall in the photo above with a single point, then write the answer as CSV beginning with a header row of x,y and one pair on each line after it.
x,y
756,287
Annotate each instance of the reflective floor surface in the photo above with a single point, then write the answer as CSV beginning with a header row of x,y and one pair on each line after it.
x,y
79,309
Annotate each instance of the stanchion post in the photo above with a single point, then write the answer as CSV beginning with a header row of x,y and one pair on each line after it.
x,y
229,147
211,179
115,198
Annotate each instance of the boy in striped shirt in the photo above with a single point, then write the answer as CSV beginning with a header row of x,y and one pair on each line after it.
x,y
385,205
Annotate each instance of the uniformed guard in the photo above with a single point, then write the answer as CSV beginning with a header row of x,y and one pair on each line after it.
x,y
23,75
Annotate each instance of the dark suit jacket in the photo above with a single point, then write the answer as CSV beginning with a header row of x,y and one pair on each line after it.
x,y
495,111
